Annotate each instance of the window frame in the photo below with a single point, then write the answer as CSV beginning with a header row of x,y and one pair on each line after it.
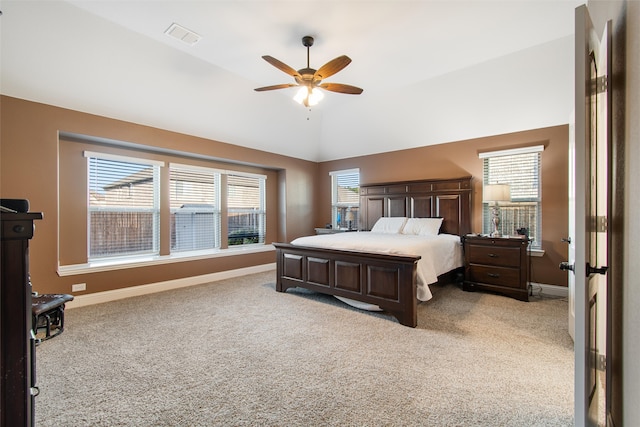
x,y
131,152
261,210
215,210
154,210
337,221
524,199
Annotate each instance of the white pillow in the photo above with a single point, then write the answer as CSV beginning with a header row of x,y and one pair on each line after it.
x,y
423,226
389,224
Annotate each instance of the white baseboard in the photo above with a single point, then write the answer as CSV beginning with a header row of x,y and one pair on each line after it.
x,y
116,294
549,290
134,291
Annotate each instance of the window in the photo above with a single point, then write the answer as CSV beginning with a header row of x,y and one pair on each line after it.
x,y
345,198
141,206
520,168
124,208
246,213
195,208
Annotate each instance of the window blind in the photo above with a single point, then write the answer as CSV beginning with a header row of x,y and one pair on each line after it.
x,y
246,209
195,208
521,170
345,204
123,204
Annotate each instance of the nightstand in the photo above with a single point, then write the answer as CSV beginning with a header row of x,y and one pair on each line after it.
x,y
497,264
332,230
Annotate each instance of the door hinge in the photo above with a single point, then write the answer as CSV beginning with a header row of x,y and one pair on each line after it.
x,y
601,362
598,361
599,84
599,224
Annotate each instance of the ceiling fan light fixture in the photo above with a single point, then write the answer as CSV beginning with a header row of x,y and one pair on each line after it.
x,y
308,96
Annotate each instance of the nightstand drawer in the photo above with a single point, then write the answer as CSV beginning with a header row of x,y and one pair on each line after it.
x,y
494,255
501,276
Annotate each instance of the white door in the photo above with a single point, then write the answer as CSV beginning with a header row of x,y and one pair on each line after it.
x,y
588,292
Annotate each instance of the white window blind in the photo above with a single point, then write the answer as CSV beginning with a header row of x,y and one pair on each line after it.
x,y
123,204
345,198
246,209
520,169
195,208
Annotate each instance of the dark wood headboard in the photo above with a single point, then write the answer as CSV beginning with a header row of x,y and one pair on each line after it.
x,y
446,198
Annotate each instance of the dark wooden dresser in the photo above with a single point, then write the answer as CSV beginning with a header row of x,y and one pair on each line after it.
x,y
497,264
17,346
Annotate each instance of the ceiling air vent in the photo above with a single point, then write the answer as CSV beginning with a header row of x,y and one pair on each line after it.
x,y
181,33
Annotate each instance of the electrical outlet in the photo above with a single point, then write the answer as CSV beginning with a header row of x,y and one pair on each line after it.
x,y
79,287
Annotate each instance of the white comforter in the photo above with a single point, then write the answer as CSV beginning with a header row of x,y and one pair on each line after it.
x,y
439,254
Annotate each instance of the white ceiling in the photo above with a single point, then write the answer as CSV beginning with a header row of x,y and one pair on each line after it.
x,y
432,71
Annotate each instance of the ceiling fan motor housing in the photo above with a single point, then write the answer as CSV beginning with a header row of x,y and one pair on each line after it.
x,y
307,77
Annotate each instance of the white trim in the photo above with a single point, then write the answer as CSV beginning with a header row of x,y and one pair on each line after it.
x,y
512,152
120,158
203,169
134,262
536,252
117,294
549,290
246,174
345,172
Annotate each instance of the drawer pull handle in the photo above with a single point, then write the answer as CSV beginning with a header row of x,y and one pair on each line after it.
x,y
18,228
494,275
492,255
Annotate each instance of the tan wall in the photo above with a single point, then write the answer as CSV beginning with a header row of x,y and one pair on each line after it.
x,y
29,168
460,158
30,151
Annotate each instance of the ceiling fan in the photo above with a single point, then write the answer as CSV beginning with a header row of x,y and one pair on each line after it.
x,y
310,80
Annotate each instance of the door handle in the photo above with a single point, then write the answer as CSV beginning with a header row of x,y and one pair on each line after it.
x,y
566,239
565,266
596,270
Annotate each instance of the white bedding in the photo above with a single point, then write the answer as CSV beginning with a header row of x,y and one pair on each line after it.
x,y
439,254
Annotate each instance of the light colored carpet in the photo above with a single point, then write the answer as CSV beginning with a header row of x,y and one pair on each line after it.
x,y
236,352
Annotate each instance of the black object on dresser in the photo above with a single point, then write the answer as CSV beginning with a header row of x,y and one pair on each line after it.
x,y
17,346
497,264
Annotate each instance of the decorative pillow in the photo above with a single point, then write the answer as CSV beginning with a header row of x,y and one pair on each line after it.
x,y
389,224
423,226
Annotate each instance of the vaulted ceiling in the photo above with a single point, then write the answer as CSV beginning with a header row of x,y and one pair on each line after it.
x,y
432,71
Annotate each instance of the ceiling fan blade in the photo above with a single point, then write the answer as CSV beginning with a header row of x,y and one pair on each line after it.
x,y
332,67
281,86
341,88
281,65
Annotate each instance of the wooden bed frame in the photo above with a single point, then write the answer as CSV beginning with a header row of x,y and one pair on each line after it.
x,y
388,281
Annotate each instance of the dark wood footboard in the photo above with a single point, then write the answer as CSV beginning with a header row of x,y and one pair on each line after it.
x,y
388,281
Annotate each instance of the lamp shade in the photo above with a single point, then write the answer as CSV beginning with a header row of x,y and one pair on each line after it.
x,y
496,193
349,216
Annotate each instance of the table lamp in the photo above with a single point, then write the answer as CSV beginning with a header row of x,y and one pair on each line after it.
x,y
349,217
494,194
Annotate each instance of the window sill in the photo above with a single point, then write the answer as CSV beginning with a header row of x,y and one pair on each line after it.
x,y
536,252
145,261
